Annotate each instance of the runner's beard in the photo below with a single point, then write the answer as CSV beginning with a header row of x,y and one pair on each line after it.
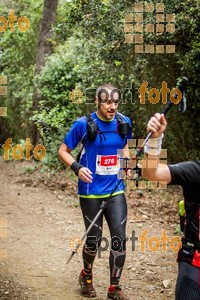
x,y
107,113
111,114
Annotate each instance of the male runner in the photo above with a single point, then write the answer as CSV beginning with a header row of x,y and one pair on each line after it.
x,y
97,173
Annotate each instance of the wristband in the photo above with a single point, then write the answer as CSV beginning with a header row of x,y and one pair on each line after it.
x,y
75,166
153,146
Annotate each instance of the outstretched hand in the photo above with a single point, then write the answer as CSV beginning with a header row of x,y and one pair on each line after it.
x,y
157,124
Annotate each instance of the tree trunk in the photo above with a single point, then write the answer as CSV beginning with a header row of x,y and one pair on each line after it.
x,y
44,49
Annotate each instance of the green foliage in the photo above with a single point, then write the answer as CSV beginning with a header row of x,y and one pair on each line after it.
x,y
189,59
29,169
18,52
89,49
94,52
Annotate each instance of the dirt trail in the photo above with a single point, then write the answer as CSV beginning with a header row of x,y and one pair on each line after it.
x,y
41,220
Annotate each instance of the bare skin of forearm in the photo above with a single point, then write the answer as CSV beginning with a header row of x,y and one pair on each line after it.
x,y
149,167
65,156
153,170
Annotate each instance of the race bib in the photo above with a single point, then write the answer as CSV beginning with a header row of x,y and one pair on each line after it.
x,y
107,164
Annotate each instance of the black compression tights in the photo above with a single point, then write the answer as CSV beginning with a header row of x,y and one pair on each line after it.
x,y
188,282
116,217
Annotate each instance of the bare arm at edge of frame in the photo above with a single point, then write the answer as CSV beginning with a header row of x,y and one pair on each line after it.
x,y
152,169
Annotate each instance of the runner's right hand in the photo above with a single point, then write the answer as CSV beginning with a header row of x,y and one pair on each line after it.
x,y
85,175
